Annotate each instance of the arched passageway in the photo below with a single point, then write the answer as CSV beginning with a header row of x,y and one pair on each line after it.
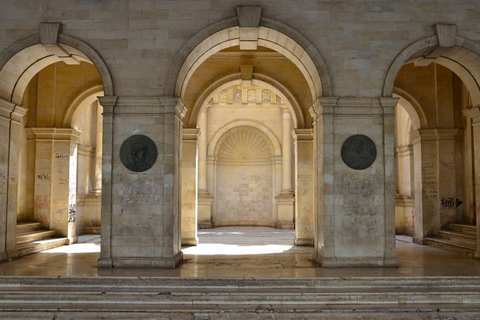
x,y
436,140
249,124
50,83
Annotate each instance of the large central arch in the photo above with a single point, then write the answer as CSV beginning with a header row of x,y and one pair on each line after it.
x,y
226,37
271,34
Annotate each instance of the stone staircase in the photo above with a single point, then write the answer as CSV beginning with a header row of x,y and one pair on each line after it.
x,y
31,238
460,238
239,298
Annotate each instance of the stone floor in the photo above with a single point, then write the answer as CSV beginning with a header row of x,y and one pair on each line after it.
x,y
241,252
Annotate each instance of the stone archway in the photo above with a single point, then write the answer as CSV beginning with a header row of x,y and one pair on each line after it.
x,y
56,142
443,152
290,46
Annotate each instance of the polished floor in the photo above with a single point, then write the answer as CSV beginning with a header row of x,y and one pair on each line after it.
x,y
241,252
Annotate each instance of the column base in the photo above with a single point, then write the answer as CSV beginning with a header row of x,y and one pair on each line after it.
x,y
104,263
285,225
3,257
419,240
72,240
359,263
205,225
140,262
190,242
285,207
477,255
307,242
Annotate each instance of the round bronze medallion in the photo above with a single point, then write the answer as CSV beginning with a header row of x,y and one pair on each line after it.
x,y
138,153
359,152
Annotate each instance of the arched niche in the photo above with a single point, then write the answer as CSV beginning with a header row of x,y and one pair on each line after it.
x,y
244,184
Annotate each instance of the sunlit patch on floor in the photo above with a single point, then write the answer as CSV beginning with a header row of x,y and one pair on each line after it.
x,y
76,248
231,250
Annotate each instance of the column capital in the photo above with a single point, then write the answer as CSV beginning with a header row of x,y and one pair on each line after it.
x,y
473,113
108,103
435,134
322,106
57,134
180,109
388,104
190,134
302,134
148,105
11,111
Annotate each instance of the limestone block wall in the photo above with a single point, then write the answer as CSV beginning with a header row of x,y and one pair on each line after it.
x,y
141,224
355,220
244,195
374,32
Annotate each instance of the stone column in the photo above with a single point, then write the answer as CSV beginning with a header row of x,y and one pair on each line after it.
x,y
144,222
202,153
108,103
388,105
56,179
11,118
189,187
435,181
97,188
285,200
447,175
355,217
205,199
474,114
286,152
304,188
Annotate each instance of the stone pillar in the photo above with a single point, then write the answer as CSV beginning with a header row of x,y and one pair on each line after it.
x,y
355,210
97,187
143,225
205,199
435,181
474,114
11,118
285,200
189,187
287,151
56,179
202,153
304,189
108,103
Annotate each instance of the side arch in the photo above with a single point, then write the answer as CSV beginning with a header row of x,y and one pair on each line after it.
x,y
413,108
20,63
79,104
463,59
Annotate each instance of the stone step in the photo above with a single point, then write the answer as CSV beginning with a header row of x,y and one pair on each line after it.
x,y
212,298
34,236
40,245
25,227
464,228
461,238
449,245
